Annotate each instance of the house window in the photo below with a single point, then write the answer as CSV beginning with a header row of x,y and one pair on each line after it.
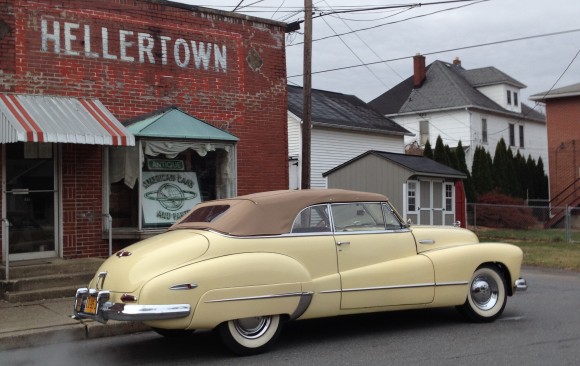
x,y
515,99
484,130
412,196
509,97
424,131
521,136
512,134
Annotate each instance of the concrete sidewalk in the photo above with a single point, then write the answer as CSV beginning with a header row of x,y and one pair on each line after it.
x,y
50,321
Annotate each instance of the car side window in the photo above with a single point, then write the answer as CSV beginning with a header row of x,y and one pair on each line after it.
x,y
312,219
358,216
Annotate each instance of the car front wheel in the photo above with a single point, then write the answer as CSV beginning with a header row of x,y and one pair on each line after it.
x,y
487,296
251,336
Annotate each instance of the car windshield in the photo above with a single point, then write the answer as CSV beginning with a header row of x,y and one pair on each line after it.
x,y
206,213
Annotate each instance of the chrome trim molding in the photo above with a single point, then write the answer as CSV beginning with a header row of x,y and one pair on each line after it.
x,y
418,285
388,287
107,310
101,279
134,312
520,284
184,286
427,241
455,283
261,297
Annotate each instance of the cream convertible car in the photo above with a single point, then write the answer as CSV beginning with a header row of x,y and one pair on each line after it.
x,y
246,265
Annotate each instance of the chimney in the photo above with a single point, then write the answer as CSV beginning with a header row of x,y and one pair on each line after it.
x,y
457,62
419,70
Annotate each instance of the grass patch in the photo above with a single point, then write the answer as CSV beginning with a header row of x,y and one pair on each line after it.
x,y
542,248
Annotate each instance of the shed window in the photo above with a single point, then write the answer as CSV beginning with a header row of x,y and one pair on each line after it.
x,y
449,195
412,196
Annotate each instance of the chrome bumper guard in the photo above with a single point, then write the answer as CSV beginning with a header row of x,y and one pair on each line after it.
x,y
106,310
520,285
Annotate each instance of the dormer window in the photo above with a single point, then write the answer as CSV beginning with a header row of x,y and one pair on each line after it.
x,y
509,97
515,99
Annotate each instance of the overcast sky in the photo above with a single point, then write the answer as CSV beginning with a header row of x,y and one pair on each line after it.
x,y
536,62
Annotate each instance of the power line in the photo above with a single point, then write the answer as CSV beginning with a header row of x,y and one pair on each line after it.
x,y
472,2
444,51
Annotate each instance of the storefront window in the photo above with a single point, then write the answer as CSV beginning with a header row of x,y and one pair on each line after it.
x,y
171,179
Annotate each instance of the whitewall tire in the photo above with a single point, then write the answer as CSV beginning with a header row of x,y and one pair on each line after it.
x,y
251,336
487,295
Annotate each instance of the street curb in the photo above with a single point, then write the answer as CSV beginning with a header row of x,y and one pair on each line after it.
x,y
67,333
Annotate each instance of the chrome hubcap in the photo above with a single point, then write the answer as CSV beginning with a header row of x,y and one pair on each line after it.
x,y
252,328
484,292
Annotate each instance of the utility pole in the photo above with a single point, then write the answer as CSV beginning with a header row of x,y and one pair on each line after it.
x,y
307,96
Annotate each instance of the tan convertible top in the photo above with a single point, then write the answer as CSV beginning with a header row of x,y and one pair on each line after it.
x,y
270,213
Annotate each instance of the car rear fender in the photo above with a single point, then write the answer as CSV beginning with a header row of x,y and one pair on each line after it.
x,y
236,286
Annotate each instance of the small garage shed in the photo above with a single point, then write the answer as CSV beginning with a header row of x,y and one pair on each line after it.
x,y
423,190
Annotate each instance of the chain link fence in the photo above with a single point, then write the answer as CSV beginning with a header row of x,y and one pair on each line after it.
x,y
481,216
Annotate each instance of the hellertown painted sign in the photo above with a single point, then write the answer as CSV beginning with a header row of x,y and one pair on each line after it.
x,y
133,46
168,196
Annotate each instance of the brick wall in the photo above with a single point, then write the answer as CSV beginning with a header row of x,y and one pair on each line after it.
x,y
563,142
136,57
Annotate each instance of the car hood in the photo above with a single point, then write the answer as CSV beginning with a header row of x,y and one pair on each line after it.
x,y
136,264
437,237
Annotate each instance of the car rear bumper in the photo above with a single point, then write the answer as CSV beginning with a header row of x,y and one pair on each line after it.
x,y
95,305
520,285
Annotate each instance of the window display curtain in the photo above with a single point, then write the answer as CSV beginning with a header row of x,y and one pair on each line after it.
x,y
124,162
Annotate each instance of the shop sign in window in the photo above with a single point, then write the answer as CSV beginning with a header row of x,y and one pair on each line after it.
x,y
168,196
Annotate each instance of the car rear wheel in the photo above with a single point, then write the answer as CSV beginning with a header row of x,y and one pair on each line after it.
x,y
487,295
249,336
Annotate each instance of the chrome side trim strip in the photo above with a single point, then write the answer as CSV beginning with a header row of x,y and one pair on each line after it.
x,y
418,285
261,297
388,287
456,283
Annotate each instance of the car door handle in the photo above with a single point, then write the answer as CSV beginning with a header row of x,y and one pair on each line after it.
x,y
342,242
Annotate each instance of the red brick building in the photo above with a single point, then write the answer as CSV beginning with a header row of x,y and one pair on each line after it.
x,y
133,111
563,120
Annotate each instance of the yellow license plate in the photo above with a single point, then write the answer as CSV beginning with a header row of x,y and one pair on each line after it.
x,y
91,306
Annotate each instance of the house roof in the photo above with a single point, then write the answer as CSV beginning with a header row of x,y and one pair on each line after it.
x,y
342,111
563,92
171,122
418,165
490,76
449,86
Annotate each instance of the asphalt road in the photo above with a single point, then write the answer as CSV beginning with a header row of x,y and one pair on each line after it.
x,y
538,327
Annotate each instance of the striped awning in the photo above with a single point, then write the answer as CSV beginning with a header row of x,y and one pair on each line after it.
x,y
39,118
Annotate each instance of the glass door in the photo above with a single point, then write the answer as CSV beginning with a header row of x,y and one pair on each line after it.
x,y
30,200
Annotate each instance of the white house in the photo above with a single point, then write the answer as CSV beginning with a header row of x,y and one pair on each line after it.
x,y
343,127
478,107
